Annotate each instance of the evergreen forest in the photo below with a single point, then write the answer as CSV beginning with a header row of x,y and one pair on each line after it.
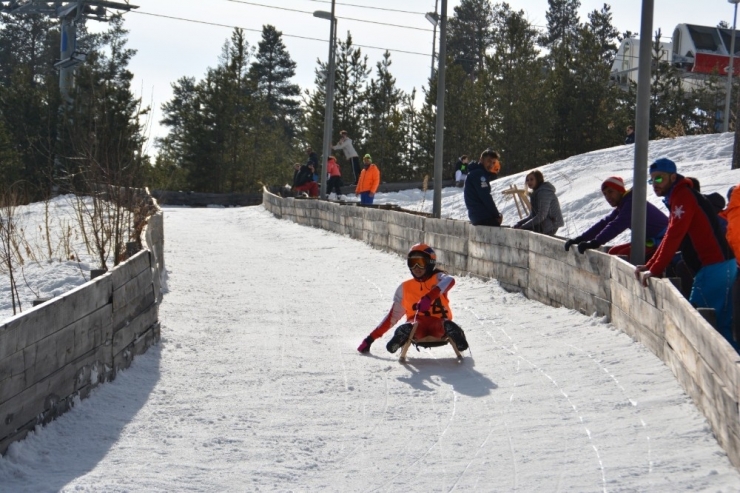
x,y
535,95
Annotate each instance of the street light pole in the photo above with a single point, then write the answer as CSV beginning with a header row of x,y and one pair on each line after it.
x,y
728,93
440,132
329,111
642,124
433,17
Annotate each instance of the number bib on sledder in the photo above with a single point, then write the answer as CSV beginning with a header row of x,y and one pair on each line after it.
x,y
413,290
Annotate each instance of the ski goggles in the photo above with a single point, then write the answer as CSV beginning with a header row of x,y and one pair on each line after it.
x,y
417,262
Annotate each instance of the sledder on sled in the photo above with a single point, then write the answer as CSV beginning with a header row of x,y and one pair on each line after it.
x,y
423,300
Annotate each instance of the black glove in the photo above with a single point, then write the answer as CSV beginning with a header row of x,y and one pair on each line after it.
x,y
588,245
572,242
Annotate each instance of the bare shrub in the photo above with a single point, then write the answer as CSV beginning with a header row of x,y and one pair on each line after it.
x,y
10,255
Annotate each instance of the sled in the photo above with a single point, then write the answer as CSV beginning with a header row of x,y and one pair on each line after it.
x,y
427,342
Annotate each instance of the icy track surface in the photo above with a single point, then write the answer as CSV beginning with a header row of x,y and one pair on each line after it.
x,y
257,386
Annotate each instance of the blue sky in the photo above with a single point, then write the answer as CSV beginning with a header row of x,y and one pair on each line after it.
x,y
169,49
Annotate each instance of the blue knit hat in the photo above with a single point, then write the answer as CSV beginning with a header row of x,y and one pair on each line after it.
x,y
663,164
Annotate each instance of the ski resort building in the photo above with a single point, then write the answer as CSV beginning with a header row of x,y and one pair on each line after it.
x,y
699,51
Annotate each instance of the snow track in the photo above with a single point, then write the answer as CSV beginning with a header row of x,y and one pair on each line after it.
x,y
257,386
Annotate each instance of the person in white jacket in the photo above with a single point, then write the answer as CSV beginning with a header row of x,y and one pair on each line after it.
x,y
345,145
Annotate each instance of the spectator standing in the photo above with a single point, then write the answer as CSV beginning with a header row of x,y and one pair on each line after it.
x,y
335,177
732,215
630,139
461,170
619,220
482,210
693,216
368,182
545,216
686,263
303,181
345,145
313,160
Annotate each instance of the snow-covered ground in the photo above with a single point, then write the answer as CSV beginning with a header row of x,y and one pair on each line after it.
x,y
56,257
577,179
257,386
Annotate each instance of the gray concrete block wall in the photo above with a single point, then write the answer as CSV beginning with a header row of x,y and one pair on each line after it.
x,y
64,348
658,316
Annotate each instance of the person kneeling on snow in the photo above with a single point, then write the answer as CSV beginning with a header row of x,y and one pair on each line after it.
x,y
423,299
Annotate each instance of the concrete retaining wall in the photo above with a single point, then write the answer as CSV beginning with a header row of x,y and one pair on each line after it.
x,y
659,317
62,349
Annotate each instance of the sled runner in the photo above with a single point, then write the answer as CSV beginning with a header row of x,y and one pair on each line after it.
x,y
427,342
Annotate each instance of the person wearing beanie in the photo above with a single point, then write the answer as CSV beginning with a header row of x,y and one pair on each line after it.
x,y
619,220
693,216
368,182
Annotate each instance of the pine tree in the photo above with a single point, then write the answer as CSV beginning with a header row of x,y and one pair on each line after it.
x,y
314,108
669,105
102,131
600,24
30,97
11,170
516,95
562,22
470,34
272,70
383,122
220,134
350,80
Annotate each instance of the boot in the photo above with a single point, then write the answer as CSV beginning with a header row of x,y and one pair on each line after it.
x,y
399,338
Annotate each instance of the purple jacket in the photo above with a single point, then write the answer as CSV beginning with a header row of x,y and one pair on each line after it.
x,y
620,219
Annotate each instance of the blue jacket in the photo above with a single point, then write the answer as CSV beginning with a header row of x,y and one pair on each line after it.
x,y
477,193
620,219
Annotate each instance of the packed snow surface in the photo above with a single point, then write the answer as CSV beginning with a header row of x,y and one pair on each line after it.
x,y
577,180
257,386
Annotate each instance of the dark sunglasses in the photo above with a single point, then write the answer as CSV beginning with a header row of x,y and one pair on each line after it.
x,y
657,179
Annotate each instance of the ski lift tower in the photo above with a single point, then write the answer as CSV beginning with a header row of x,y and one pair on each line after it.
x,y
71,14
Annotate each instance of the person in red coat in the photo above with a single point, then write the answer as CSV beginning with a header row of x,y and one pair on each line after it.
x,y
692,215
335,177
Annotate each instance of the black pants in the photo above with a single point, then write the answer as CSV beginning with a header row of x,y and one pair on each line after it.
x,y
335,182
356,169
491,221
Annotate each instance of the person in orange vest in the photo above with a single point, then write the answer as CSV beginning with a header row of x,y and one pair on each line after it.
x,y
422,299
369,180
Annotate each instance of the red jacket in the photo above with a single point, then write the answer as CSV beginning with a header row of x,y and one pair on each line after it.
x,y
333,168
687,217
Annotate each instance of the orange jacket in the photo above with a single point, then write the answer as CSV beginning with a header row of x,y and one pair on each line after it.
x,y
732,214
369,180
